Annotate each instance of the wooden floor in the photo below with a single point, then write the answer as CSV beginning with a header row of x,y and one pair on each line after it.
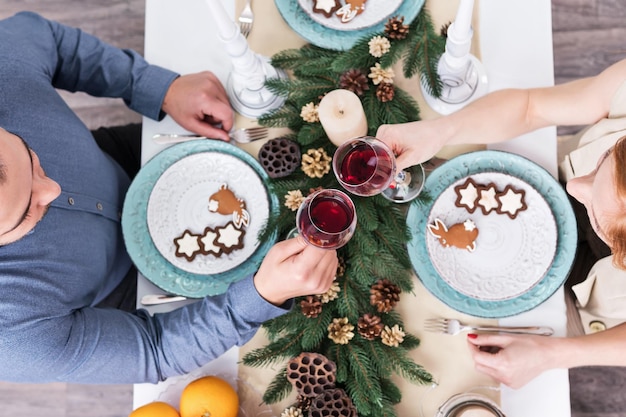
x,y
588,36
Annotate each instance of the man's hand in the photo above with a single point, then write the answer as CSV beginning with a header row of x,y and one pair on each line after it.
x,y
199,103
293,268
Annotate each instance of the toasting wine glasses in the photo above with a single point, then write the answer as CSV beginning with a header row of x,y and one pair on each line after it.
x,y
326,219
366,166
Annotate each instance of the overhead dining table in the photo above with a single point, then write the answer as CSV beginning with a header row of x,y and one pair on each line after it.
x,y
513,39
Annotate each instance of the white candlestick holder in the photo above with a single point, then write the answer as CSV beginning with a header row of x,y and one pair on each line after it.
x,y
246,83
462,75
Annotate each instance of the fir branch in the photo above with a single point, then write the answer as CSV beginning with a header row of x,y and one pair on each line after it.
x,y
368,217
279,388
391,390
287,115
357,57
423,53
405,367
363,387
410,342
273,352
316,330
351,301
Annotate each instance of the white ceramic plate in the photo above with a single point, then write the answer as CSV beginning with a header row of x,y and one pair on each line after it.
x,y
180,198
511,255
375,11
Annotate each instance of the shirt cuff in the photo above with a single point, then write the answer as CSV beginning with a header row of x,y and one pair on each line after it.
x,y
251,306
150,89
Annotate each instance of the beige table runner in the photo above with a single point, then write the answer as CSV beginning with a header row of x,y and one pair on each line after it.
x,y
446,357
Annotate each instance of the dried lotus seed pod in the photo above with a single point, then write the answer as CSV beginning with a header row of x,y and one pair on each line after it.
x,y
280,157
311,374
332,403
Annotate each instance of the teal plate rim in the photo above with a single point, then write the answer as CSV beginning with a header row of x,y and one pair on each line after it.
x,y
301,23
524,169
146,257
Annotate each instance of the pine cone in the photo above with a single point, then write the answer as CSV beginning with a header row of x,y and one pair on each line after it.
x,y
293,199
292,412
331,294
392,336
341,267
355,81
334,403
396,29
385,92
303,402
384,295
379,46
316,163
379,74
370,326
311,306
340,331
311,374
444,29
309,113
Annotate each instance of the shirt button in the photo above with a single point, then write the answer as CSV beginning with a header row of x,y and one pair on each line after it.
x,y
596,326
99,206
71,201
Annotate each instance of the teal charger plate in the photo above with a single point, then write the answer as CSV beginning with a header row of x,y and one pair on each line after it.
x,y
140,246
519,167
324,37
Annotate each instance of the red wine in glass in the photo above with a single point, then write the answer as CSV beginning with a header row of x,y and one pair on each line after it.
x,y
326,219
366,166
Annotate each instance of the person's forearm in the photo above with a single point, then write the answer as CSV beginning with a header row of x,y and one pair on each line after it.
x,y
494,118
599,349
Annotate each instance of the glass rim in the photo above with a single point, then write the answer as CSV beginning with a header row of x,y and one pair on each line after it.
x,y
367,140
346,198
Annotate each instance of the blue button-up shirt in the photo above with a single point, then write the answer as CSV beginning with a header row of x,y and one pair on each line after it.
x,y
51,279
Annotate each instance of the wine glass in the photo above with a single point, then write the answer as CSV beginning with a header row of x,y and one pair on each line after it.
x,y
366,166
326,219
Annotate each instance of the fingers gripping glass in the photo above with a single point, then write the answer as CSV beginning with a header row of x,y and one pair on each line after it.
x,y
366,166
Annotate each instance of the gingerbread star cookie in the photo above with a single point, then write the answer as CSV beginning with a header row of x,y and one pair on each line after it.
x,y
511,201
229,237
187,245
326,7
487,198
466,195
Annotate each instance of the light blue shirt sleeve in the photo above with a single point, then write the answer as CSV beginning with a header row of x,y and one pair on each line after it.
x,y
51,279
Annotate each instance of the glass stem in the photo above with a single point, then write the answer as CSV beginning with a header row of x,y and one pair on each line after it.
x,y
402,178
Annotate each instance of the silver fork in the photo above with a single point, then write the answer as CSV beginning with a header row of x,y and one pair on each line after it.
x,y
243,135
453,326
245,20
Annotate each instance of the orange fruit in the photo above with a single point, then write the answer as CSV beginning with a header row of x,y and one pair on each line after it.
x,y
155,409
209,396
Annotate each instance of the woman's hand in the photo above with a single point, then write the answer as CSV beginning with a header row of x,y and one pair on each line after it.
x,y
293,268
516,359
199,103
412,143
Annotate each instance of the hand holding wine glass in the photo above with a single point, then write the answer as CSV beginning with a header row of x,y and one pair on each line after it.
x,y
366,166
326,219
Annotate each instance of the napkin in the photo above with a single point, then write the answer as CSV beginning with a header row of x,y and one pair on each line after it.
x,y
596,139
601,298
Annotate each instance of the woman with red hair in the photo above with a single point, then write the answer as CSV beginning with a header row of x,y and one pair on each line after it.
x,y
595,176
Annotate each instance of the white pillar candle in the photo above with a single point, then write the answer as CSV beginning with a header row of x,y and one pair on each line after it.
x,y
226,26
342,116
463,20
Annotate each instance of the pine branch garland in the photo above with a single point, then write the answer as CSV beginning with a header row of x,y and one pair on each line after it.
x,y
378,247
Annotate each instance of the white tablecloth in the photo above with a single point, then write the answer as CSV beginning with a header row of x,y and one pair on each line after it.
x,y
514,42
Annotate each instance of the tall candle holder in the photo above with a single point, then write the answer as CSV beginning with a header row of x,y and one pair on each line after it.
x,y
463,76
246,83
